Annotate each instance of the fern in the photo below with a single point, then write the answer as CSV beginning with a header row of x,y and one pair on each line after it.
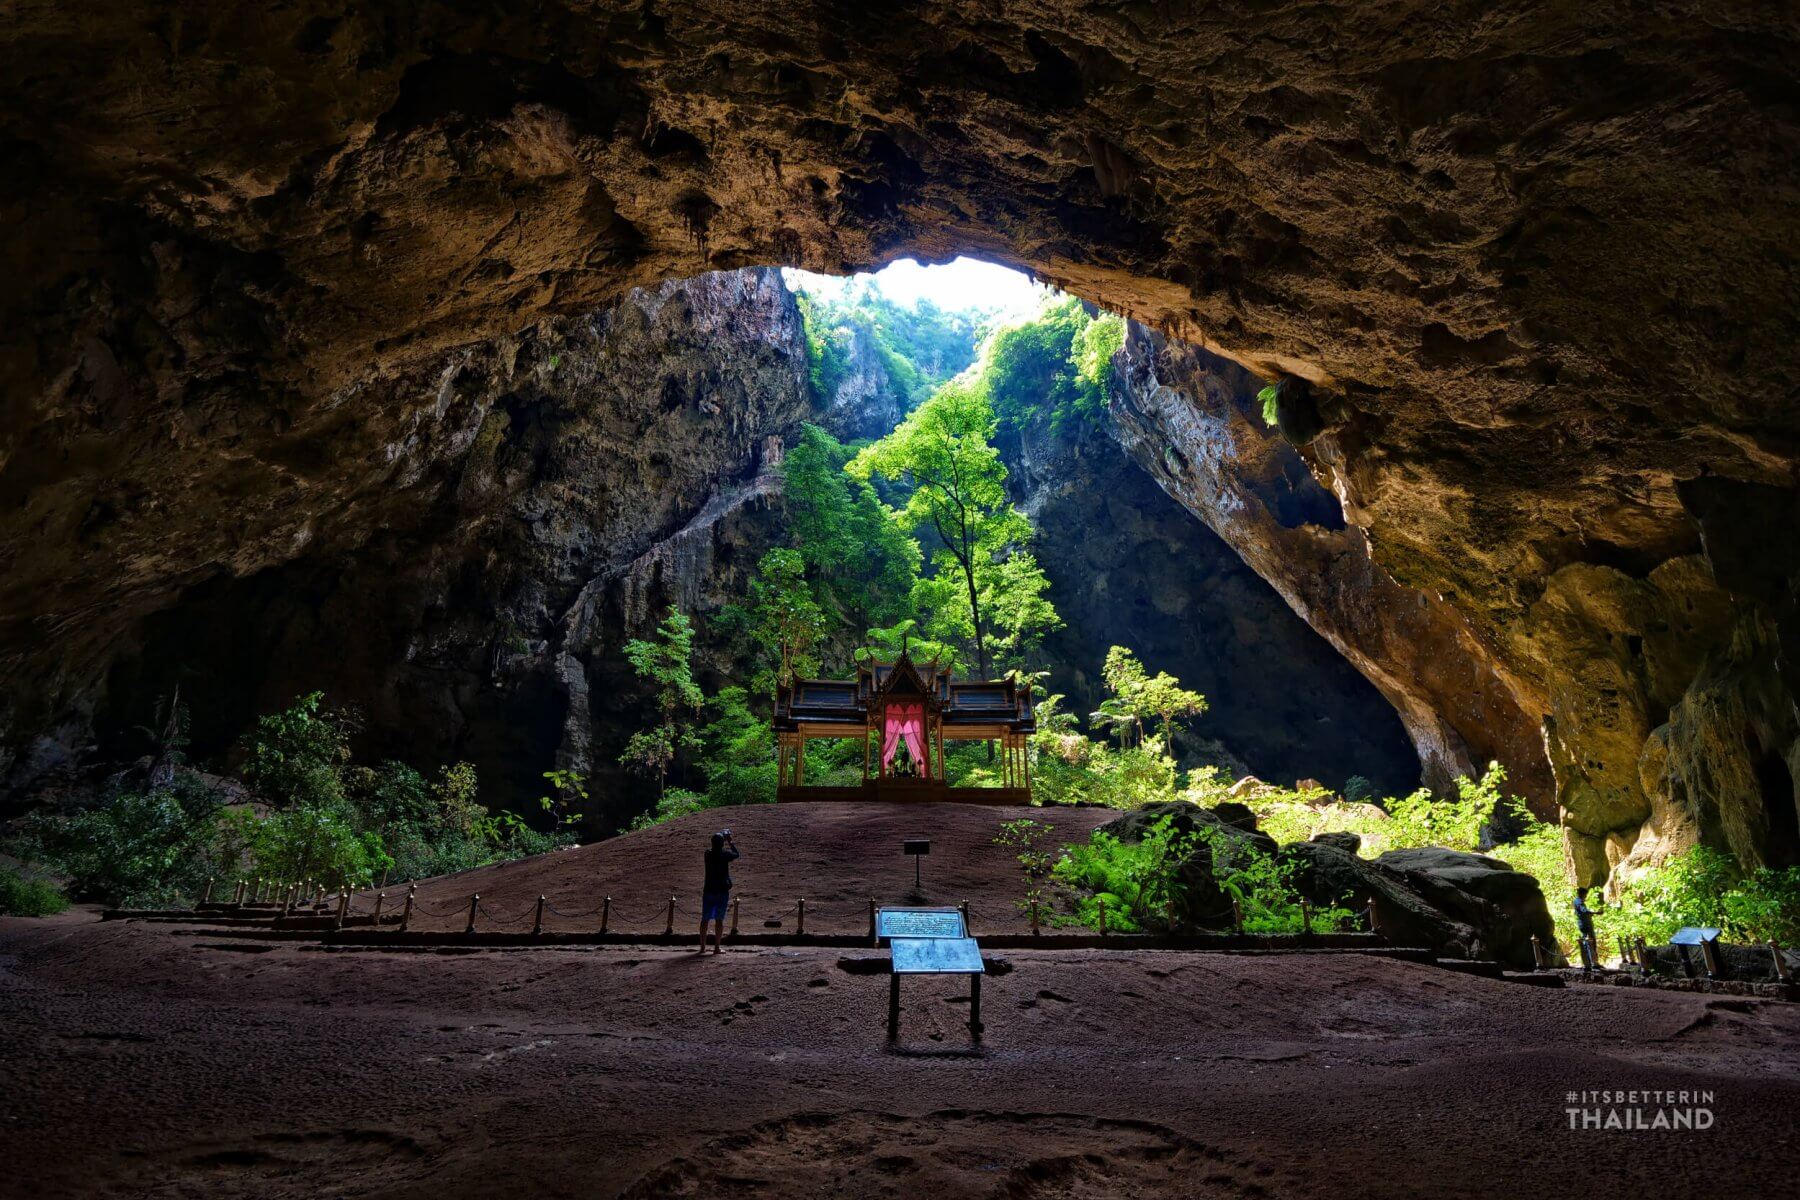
x,y
1267,398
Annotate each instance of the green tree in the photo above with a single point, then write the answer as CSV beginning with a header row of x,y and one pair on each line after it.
x,y
666,661
1053,366
955,483
1136,696
297,756
861,563
784,619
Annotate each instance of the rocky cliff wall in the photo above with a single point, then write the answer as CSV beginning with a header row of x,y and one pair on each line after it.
x,y
602,467
1641,703
1129,565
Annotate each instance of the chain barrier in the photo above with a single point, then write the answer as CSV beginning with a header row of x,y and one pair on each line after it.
x,y
499,920
573,916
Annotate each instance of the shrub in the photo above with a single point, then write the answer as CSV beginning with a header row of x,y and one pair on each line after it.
x,y
1705,887
137,848
311,841
1035,862
22,895
297,756
1358,790
1136,880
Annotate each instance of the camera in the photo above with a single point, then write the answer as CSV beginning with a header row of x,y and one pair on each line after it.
x,y
726,834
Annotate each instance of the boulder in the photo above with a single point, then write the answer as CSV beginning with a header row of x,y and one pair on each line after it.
x,y
1504,907
1344,840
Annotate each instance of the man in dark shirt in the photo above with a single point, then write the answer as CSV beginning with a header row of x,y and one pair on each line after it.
x,y
715,892
1584,921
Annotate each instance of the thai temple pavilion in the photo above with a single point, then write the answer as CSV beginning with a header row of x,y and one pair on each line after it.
x,y
904,713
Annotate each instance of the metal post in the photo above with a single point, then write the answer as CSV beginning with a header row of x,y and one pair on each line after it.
x,y
318,894
800,925
873,940
1781,968
1102,903
893,1006
206,896
975,1005
288,895
1237,916
1537,952
343,909
605,912
1305,917
669,927
537,924
1034,916
406,917
1709,951
473,901
1644,959
734,908
964,909
380,899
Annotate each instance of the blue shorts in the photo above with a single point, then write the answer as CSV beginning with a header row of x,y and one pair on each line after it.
x,y
713,906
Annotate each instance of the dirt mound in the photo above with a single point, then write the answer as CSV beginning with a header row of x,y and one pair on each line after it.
x,y
837,857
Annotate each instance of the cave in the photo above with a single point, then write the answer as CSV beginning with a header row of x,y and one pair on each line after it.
x,y
424,356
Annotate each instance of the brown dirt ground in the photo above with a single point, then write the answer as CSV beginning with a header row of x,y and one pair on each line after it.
x,y
150,1060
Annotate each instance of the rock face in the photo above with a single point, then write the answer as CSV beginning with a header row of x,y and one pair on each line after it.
x,y
572,482
1191,420
1129,566
1527,275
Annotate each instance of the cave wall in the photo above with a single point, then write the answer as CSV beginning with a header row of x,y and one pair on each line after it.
x,y
1128,565
613,464
1528,265
1191,420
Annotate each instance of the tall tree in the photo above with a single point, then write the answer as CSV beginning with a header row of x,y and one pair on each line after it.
x,y
784,619
861,563
942,457
665,660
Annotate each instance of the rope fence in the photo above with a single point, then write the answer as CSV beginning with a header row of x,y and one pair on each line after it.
x,y
670,917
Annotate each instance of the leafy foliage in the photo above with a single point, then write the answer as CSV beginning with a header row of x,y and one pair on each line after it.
x,y
136,848
319,816
1052,367
666,662
860,562
985,591
1137,696
1271,408
23,895
1035,860
920,345
297,755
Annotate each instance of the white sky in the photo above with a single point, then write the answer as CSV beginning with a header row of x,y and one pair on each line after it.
x,y
960,285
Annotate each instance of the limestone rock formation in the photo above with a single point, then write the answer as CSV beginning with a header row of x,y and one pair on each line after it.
x,y
474,606
1190,419
1531,263
1128,565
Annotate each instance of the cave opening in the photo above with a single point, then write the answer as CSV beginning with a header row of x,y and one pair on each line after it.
x,y
1775,785
568,506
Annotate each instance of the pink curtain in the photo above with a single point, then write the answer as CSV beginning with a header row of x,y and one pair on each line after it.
x,y
903,720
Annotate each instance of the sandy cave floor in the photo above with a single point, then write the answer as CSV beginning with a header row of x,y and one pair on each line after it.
x,y
147,1060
